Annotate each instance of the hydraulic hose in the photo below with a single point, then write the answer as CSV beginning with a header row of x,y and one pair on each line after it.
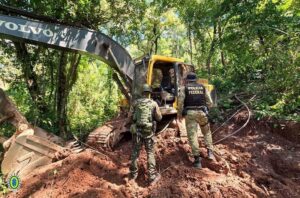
x,y
244,125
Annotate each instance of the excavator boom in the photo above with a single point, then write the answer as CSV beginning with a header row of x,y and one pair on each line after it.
x,y
34,147
69,38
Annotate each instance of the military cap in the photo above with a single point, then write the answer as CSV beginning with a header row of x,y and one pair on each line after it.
x,y
191,76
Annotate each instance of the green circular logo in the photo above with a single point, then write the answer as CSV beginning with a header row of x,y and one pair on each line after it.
x,y
14,182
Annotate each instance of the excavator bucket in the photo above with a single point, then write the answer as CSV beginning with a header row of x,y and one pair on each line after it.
x,y
31,149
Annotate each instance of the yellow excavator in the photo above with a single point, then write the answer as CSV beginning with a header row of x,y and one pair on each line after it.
x,y
165,75
32,147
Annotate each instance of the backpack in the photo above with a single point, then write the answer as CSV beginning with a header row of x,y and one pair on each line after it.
x,y
143,115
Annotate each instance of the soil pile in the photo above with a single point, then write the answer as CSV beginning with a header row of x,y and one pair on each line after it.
x,y
255,163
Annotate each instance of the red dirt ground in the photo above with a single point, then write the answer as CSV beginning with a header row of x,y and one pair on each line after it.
x,y
255,163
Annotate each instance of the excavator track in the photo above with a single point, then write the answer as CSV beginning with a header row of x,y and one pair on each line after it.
x,y
108,135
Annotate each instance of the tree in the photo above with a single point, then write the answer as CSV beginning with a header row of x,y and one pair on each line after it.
x,y
63,65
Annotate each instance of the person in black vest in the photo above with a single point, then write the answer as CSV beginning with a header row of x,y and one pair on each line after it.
x,y
193,104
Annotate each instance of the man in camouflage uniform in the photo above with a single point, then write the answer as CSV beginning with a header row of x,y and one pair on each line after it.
x,y
193,103
145,114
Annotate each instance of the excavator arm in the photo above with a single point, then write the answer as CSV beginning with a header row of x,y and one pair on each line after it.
x,y
32,147
69,38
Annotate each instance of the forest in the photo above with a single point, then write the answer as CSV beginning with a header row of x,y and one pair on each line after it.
x,y
249,48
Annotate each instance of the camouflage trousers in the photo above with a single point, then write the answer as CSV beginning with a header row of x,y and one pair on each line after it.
x,y
138,142
192,119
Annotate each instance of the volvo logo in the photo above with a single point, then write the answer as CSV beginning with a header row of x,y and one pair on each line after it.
x,y
26,29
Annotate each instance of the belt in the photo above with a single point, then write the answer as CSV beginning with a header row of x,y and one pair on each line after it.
x,y
196,108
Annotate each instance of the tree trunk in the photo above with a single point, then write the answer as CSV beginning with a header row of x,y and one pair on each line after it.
x,y
61,100
52,82
154,40
156,37
72,74
65,82
212,50
191,44
109,87
30,77
220,34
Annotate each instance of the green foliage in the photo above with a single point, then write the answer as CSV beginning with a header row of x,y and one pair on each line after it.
x,y
93,99
216,115
256,50
241,46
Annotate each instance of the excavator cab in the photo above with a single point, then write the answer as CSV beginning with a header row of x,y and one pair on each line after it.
x,y
165,75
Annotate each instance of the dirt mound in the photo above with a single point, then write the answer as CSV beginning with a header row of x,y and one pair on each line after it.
x,y
288,129
254,163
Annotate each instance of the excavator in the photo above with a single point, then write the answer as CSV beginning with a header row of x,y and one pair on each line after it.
x,y
165,75
31,147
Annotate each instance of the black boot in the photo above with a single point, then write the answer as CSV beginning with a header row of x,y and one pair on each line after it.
x,y
197,162
210,155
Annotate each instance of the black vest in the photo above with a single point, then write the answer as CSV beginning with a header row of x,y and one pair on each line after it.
x,y
194,95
